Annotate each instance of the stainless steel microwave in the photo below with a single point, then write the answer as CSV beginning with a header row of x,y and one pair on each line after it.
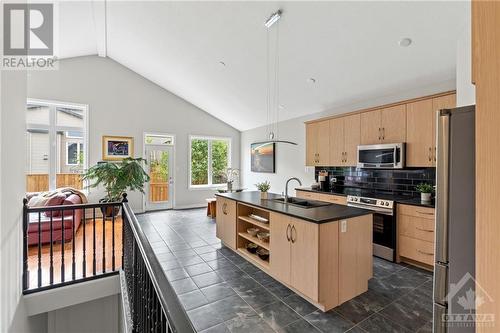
x,y
385,156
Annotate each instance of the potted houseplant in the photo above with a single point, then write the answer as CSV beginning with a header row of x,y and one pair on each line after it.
x,y
425,190
263,187
117,178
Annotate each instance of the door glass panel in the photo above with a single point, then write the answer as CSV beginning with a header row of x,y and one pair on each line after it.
x,y
159,172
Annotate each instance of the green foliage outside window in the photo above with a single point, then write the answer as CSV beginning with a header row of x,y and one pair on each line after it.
x,y
199,162
219,161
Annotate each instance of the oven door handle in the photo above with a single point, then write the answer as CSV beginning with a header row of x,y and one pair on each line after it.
x,y
377,211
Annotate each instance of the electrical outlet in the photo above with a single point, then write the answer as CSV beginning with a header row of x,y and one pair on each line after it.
x,y
343,226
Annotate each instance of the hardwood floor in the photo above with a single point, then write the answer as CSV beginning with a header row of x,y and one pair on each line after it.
x,y
103,239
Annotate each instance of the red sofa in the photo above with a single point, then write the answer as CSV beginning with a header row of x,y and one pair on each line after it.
x,y
57,223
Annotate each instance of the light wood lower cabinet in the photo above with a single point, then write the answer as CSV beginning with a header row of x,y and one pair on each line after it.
x,y
337,199
225,228
327,263
416,227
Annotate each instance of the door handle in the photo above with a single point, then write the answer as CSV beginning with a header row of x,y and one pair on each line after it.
x,y
430,154
291,233
379,133
288,229
224,208
435,152
424,213
383,133
426,230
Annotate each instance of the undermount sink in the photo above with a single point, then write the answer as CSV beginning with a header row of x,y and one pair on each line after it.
x,y
301,202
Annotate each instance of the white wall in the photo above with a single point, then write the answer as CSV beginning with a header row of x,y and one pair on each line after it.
x,y
12,186
123,103
466,92
290,160
101,315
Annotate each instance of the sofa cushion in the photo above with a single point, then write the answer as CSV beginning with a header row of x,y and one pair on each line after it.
x,y
73,199
56,200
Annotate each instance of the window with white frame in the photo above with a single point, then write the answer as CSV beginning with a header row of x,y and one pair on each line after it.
x,y
56,135
209,159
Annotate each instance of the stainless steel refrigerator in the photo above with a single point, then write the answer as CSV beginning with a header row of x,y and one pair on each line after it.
x,y
454,269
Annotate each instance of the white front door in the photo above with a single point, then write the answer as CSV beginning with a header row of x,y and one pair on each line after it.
x,y
159,190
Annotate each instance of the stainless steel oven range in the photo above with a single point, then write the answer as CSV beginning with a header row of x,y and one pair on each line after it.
x,y
384,224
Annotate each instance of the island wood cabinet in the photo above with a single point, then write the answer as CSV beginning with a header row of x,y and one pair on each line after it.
x,y
386,125
327,263
421,129
225,228
345,136
294,259
318,143
415,241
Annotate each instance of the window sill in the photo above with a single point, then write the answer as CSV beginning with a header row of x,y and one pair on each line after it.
x,y
205,187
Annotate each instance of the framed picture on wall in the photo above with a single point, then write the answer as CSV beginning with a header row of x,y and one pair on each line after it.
x,y
263,157
115,148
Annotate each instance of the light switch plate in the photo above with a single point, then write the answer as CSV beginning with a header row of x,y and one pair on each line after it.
x,y
343,226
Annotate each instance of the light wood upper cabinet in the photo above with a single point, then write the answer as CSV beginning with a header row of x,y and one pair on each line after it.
x,y
352,139
318,143
371,127
420,121
393,124
384,125
337,141
279,261
344,140
304,255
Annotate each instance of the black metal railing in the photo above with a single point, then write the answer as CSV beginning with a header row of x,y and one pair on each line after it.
x,y
68,244
153,304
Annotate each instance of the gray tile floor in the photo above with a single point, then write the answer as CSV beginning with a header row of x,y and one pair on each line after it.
x,y
222,292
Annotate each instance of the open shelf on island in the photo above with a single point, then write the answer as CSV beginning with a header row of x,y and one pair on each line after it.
x,y
255,240
256,223
253,257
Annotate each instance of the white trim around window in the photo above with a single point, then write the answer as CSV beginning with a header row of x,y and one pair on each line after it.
x,y
209,170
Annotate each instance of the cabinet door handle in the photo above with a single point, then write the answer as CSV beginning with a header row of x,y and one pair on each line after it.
x,y
426,253
435,153
379,135
291,234
287,235
430,154
224,208
426,230
383,133
425,213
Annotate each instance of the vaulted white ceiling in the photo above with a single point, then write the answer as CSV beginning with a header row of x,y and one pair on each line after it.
x,y
350,48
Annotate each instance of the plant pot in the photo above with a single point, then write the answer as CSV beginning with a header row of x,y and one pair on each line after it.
x,y
425,197
263,195
108,211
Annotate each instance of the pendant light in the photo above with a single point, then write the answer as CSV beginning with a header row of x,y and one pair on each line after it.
x,y
272,100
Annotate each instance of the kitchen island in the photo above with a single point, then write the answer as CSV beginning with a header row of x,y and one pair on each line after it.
x,y
322,251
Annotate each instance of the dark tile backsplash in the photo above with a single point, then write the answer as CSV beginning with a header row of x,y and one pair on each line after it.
x,y
390,181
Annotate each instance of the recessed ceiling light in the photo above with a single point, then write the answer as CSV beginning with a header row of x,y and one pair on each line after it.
x,y
405,42
311,80
222,63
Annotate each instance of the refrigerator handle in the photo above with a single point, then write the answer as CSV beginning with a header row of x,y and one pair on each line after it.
x,y
443,151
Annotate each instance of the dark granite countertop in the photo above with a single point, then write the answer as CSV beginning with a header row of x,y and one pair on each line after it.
x,y
323,214
402,199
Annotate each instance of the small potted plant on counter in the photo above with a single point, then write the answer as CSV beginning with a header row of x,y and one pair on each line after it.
x,y
263,187
425,190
